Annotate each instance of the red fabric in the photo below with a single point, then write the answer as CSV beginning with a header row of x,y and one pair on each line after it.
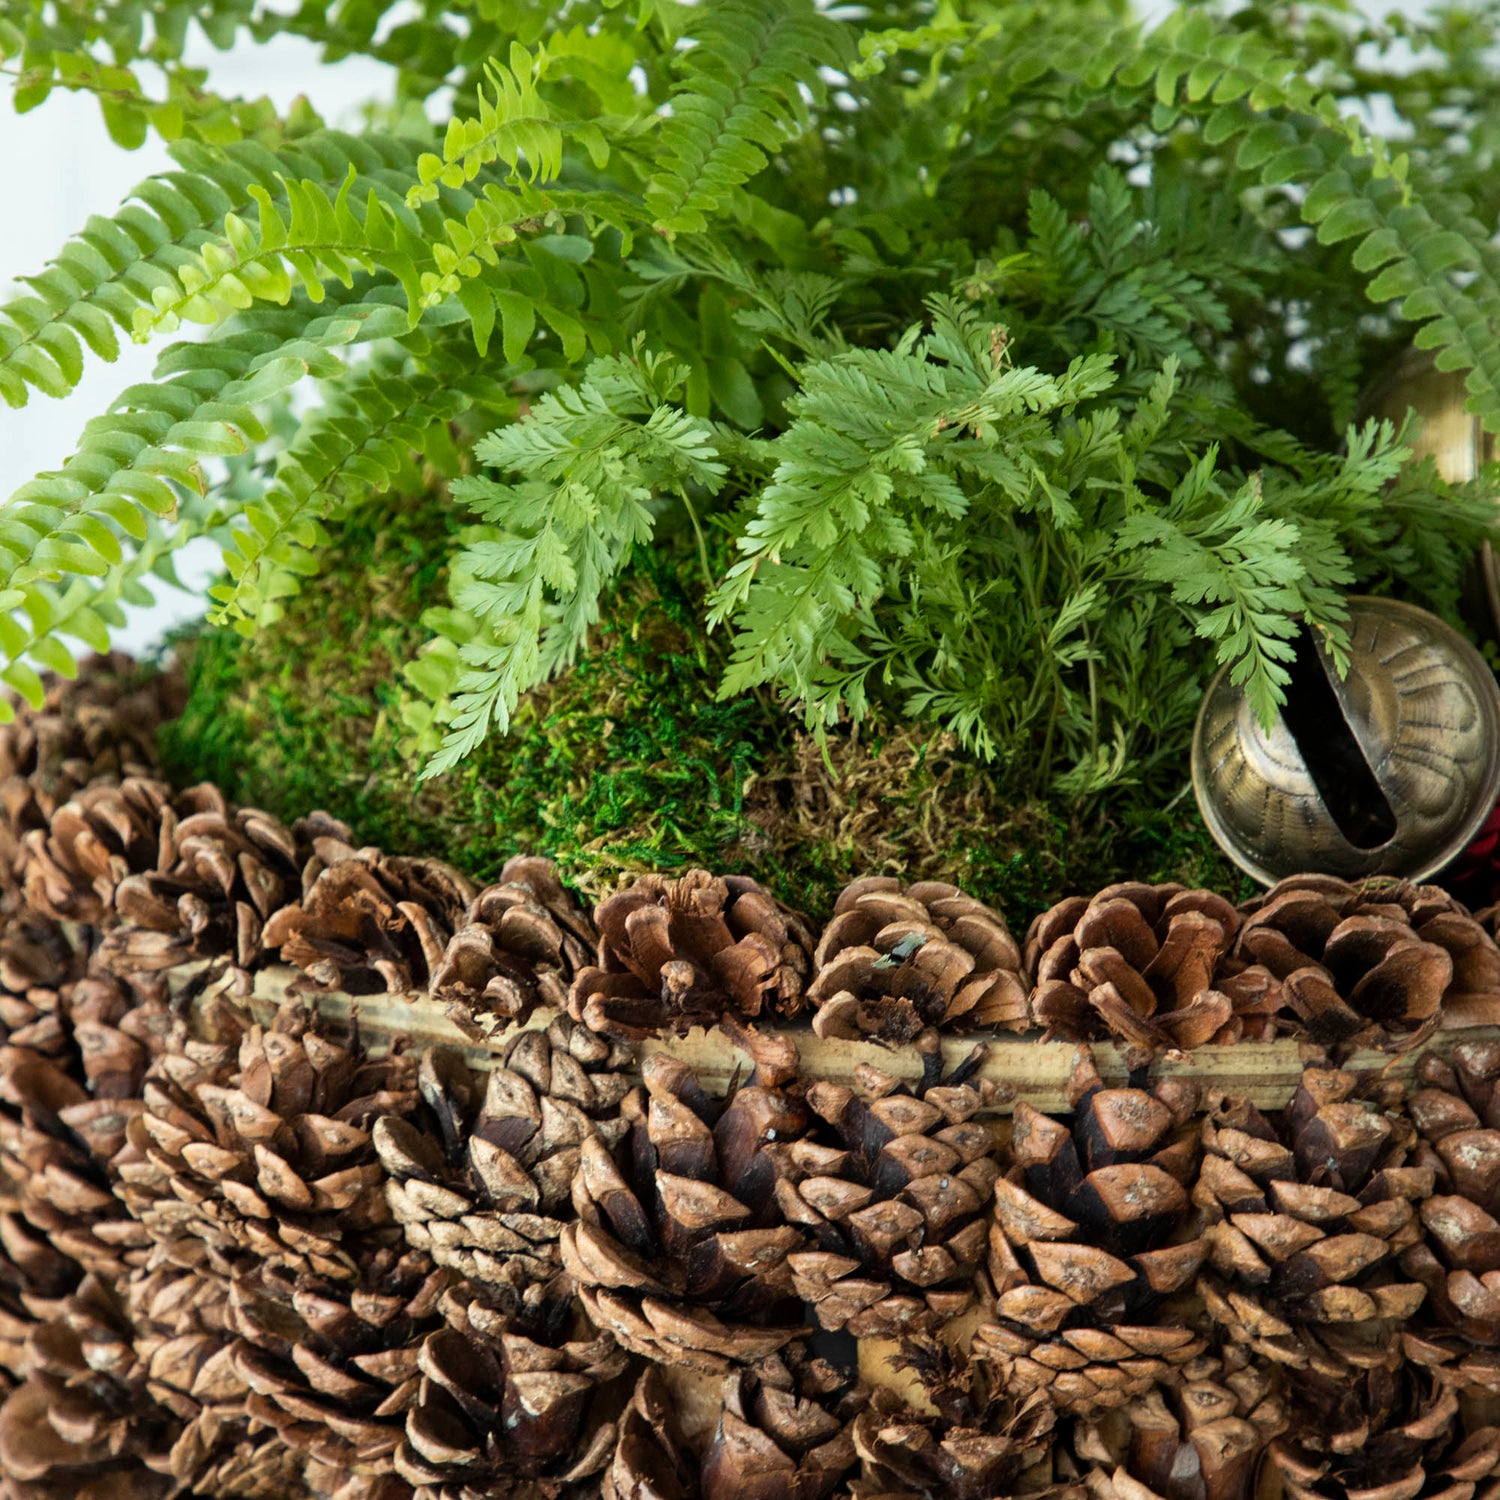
x,y
1474,877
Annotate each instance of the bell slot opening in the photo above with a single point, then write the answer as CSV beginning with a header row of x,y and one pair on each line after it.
x,y
1315,718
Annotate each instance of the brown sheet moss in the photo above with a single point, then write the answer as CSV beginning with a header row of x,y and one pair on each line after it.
x,y
628,762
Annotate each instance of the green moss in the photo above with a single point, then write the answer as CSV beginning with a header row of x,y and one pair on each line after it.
x,y
628,762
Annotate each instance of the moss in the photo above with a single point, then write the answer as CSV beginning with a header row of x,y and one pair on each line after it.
x,y
628,762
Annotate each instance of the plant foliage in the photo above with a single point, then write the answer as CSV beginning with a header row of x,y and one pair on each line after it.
x,y
1021,461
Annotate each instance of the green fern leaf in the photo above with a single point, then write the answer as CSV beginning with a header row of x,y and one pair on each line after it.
x,y
355,445
740,100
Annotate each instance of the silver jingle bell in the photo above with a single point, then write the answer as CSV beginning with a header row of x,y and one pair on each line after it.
x,y
1390,771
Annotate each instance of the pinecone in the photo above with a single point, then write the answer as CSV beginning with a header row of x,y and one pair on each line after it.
x,y
1392,1433
679,1249
368,921
90,843
1456,1111
182,1343
976,1450
58,1002
1371,964
264,1152
650,1461
1203,1438
1142,963
481,1191
508,1406
217,877
892,962
59,1218
783,1432
893,1190
119,1025
332,1367
100,726
1309,1212
80,1424
37,962
519,947
680,953
1093,1230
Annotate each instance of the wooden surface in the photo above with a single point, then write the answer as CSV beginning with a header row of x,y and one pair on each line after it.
x,y
1265,1072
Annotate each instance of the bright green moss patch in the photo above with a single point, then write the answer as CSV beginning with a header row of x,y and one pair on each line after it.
x,y
628,762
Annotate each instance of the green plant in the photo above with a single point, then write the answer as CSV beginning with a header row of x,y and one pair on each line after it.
x,y
986,456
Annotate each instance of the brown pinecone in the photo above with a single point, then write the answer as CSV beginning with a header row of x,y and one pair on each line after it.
x,y
783,1432
331,1367
101,726
650,1461
519,946
511,1407
1309,1211
264,1151
1373,963
978,1452
101,1029
119,1025
680,1249
104,833
80,1426
481,1189
1388,1433
1141,963
1456,1110
37,963
1203,1438
1093,1229
59,1218
367,921
218,875
677,953
893,1191
179,1313
892,962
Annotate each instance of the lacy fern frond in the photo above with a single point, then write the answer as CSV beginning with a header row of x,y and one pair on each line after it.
x,y
592,462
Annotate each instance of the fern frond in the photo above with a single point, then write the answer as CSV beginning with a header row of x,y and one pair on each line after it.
x,y
514,126
146,454
358,443
320,239
1418,246
741,99
593,462
519,128
39,619
66,47
106,274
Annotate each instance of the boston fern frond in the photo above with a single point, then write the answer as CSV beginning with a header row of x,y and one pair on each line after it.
x,y
358,444
105,275
741,96
1010,349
